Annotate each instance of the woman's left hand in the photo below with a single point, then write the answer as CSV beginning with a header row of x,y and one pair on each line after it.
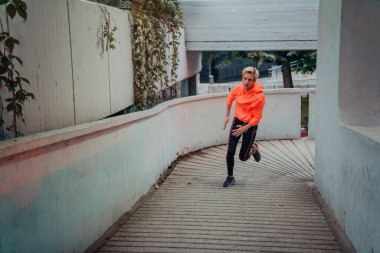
x,y
239,130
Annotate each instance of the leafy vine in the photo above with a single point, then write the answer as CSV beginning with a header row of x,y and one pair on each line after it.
x,y
108,32
156,29
11,81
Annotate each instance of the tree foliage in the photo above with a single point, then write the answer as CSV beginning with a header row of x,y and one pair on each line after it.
x,y
224,59
306,62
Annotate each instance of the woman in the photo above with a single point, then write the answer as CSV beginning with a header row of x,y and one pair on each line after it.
x,y
250,100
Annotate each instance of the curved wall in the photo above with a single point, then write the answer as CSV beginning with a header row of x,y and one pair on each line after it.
x,y
347,160
66,187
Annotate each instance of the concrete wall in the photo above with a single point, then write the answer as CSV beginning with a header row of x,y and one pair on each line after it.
x,y
94,68
359,78
60,190
73,78
45,49
282,115
347,161
312,114
250,25
189,62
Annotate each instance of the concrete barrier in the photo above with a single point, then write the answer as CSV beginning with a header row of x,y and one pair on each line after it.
x,y
61,190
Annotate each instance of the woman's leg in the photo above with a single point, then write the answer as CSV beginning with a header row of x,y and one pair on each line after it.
x,y
248,139
232,143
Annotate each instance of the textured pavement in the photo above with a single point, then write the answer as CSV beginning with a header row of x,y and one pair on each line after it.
x,y
270,208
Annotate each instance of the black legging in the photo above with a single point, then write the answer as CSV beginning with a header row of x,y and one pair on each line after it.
x,y
248,139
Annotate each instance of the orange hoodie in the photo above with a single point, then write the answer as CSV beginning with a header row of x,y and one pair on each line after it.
x,y
249,103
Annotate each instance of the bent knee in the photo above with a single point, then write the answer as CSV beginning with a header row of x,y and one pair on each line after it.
x,y
243,158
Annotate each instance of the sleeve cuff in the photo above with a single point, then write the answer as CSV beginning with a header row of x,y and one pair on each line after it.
x,y
254,122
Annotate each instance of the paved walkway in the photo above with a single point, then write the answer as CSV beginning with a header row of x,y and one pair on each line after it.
x,y
269,209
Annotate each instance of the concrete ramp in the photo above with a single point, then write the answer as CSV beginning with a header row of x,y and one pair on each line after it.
x,y
269,209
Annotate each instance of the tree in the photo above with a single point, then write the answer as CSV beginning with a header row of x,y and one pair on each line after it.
x,y
306,62
224,59
210,58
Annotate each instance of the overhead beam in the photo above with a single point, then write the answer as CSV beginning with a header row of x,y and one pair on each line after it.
x,y
250,45
250,24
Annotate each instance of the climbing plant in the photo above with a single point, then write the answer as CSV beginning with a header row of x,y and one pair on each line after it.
x,y
156,28
108,31
11,81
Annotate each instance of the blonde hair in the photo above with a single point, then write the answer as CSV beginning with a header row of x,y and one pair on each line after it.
x,y
251,70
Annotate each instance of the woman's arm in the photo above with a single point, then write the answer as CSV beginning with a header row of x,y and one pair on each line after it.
x,y
227,116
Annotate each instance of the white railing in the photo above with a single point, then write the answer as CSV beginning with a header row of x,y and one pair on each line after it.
x,y
276,70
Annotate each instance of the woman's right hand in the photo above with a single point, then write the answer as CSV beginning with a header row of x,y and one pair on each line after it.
x,y
226,122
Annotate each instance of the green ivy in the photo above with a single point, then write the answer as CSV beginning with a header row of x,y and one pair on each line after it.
x,y
108,32
156,29
11,81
